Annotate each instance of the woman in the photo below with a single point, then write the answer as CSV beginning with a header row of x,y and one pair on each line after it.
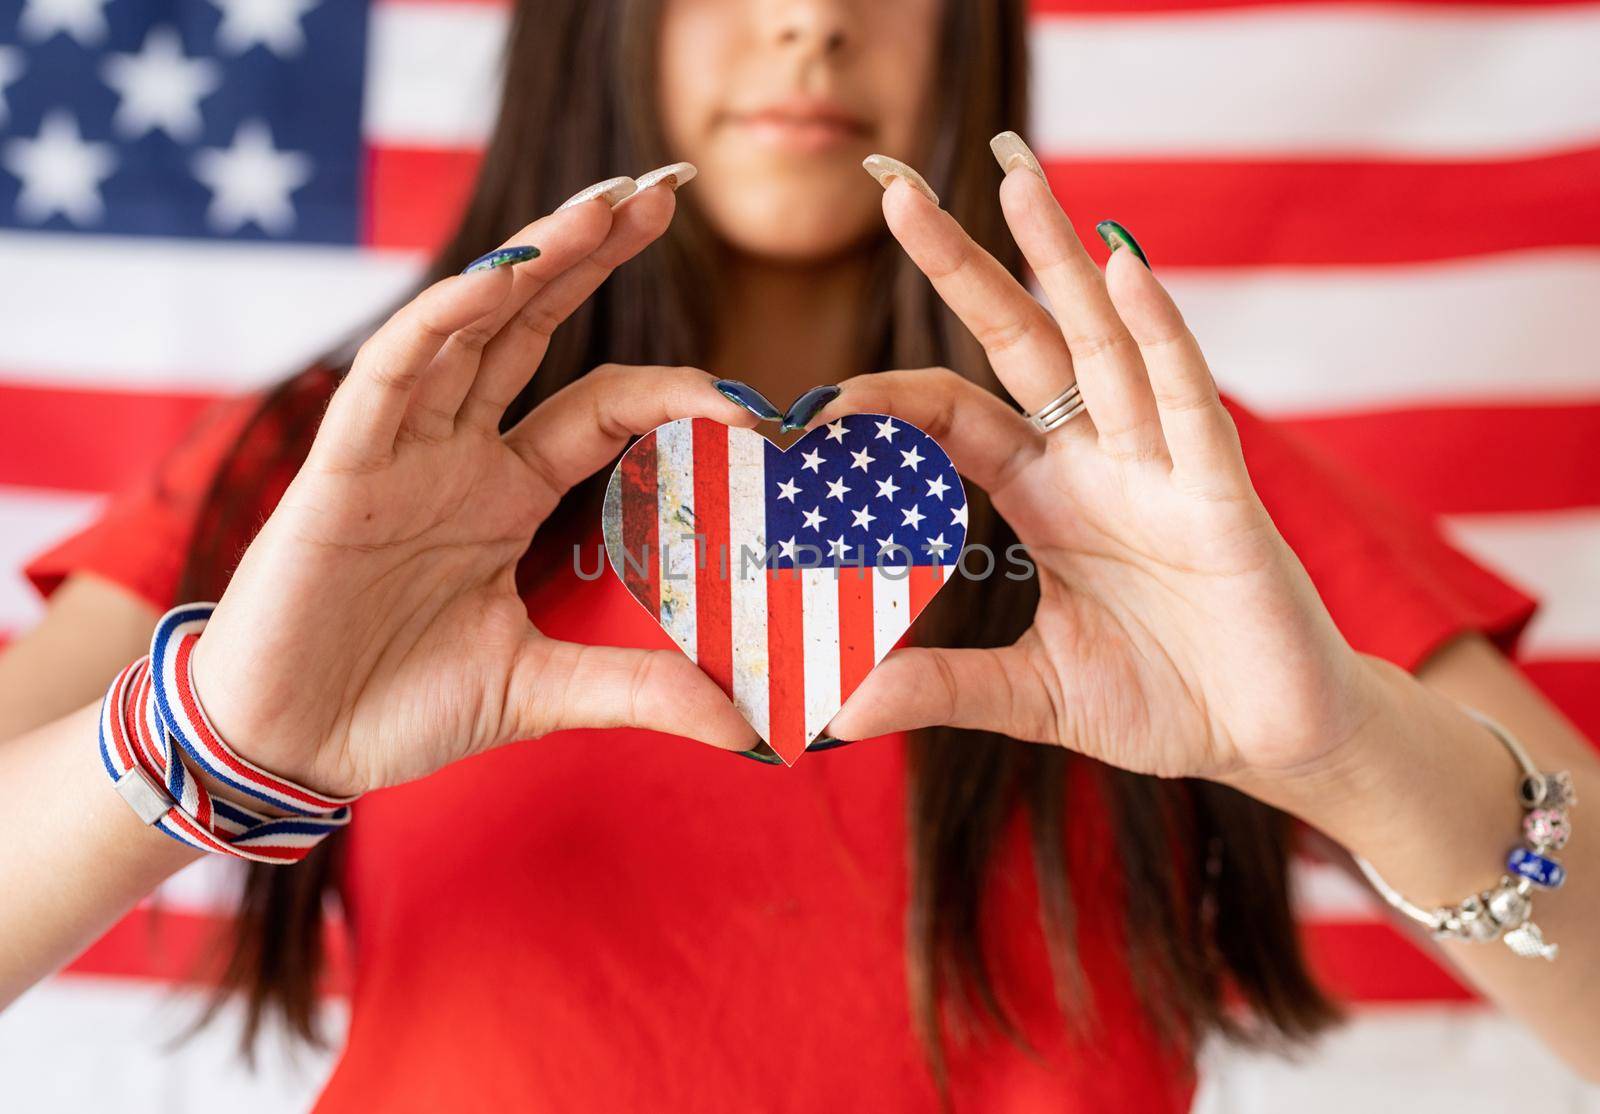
x,y
1090,874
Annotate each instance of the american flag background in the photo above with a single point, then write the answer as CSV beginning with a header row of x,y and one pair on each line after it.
x,y
786,575
1381,218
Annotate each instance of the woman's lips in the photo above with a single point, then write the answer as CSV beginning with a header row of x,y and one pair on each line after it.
x,y
800,128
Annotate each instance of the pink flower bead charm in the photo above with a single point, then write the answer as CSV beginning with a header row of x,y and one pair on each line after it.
x,y
1547,828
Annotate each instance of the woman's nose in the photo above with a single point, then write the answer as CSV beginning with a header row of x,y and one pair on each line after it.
x,y
820,26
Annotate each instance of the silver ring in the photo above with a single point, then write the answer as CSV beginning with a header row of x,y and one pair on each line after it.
x,y
1058,411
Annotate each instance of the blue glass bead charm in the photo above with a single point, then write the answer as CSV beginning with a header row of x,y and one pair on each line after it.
x,y
1536,868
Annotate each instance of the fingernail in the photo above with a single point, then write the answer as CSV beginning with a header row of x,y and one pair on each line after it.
x,y
501,257
748,397
612,189
761,752
1117,236
678,174
804,408
886,170
1011,152
828,742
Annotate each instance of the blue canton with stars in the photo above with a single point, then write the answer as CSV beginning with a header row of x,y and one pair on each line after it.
x,y
865,490
230,119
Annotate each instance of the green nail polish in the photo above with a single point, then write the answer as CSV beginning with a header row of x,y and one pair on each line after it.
x,y
748,397
828,742
804,408
1117,236
501,257
762,753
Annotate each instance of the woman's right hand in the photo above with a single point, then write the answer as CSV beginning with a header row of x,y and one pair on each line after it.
x,y
373,631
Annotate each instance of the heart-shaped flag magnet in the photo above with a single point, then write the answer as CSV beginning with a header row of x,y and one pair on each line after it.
x,y
786,575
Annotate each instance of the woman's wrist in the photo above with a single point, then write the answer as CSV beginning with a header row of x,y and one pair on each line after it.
x,y
164,755
1421,790
221,790
145,855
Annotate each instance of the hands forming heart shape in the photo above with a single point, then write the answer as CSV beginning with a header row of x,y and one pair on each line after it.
x,y
373,631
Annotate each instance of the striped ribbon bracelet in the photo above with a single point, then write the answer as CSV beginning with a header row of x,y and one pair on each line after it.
x,y
154,736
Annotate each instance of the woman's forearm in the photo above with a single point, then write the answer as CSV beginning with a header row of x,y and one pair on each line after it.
x,y
1427,795
76,856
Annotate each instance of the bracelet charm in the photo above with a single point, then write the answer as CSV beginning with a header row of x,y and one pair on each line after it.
x,y
1538,869
1546,829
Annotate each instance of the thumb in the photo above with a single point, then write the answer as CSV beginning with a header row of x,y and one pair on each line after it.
x,y
978,689
569,685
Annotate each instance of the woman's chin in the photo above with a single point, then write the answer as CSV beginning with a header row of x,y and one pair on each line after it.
x,y
792,226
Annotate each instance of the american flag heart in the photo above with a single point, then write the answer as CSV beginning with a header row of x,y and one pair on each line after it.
x,y
786,575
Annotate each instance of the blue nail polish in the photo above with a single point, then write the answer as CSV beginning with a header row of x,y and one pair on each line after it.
x,y
748,397
501,257
1117,236
828,742
804,408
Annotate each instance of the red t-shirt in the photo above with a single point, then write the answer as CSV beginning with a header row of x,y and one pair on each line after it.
x,y
620,920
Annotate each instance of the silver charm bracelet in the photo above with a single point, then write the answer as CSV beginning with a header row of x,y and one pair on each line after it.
x,y
1505,912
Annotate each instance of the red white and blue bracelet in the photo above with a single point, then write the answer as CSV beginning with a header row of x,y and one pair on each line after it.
x,y
154,735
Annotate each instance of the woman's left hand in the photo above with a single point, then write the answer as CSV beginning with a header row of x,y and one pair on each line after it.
x,y
1177,634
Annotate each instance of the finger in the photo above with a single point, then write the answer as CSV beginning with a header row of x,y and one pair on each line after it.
x,y
1104,356
569,686
563,238
512,356
365,413
583,426
1199,432
988,441
1022,341
978,689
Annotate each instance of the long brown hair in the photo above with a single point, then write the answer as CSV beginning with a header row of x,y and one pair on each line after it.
x,y
1206,904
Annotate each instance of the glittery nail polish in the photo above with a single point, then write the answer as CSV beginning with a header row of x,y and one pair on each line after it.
x,y
804,408
748,397
502,257
1011,152
612,190
678,174
1117,236
886,170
